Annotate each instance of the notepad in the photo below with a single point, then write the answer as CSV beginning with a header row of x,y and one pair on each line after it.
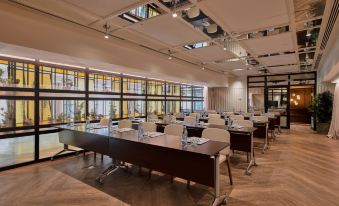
x,y
154,134
197,140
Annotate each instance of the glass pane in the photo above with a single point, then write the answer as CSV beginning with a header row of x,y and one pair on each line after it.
x,y
198,106
133,108
101,108
172,89
256,99
198,91
155,88
16,113
57,78
134,86
256,79
16,150
186,106
172,106
16,74
50,145
155,107
104,83
186,90
61,111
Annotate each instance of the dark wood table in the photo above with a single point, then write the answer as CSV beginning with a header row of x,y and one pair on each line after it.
x,y
165,153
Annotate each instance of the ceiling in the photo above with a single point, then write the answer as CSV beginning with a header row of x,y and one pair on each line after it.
x,y
249,37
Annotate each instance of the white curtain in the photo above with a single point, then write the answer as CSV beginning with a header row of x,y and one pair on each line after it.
x,y
334,128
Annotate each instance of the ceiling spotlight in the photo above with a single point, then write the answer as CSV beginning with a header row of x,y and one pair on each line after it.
x,y
225,48
169,54
106,27
203,66
308,34
174,14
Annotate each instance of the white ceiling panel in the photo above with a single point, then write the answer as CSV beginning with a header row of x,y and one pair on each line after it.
x,y
227,66
211,53
284,69
167,29
270,44
139,39
247,15
279,59
102,7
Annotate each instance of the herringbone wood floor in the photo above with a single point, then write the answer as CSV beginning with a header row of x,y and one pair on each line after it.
x,y
301,168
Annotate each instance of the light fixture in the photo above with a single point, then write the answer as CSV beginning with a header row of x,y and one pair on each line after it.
x,y
237,70
298,97
106,27
17,57
203,66
174,15
225,48
100,70
169,54
308,34
62,64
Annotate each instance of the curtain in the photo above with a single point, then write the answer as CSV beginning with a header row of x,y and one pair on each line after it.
x,y
227,99
334,128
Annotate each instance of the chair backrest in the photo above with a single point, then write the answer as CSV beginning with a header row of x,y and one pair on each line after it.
x,y
195,114
243,123
220,126
260,118
219,135
178,115
104,121
270,114
149,126
152,117
236,117
217,121
211,112
190,120
169,118
213,115
125,124
229,114
257,113
174,129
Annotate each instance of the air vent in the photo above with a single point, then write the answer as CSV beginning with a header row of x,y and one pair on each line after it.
x,y
330,24
317,61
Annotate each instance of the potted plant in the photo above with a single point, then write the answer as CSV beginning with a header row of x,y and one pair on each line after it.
x,y
322,110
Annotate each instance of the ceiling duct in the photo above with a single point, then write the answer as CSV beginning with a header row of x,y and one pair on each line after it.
x,y
193,12
330,24
212,28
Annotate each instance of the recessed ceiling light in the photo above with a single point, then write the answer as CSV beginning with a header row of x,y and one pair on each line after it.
x,y
174,14
106,36
225,48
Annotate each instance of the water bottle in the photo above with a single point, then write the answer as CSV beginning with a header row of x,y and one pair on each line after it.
x,y
140,132
184,135
88,123
109,127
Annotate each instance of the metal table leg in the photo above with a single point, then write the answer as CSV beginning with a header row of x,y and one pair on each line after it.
x,y
266,140
252,159
116,164
218,199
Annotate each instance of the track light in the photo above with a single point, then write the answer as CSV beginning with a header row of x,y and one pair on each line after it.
x,y
169,54
225,48
174,14
203,66
106,27
308,34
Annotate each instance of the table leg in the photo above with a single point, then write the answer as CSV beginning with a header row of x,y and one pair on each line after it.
x,y
252,159
218,199
266,140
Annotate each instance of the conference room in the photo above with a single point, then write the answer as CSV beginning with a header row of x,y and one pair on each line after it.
x,y
169,102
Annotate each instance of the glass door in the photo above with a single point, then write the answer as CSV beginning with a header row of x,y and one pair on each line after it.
x,y
277,100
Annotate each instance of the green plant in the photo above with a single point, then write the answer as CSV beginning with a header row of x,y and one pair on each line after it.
x,y
322,107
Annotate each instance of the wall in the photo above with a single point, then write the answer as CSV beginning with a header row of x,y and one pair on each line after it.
x,y
232,98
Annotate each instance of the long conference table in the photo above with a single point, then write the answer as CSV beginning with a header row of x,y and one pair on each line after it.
x,y
165,153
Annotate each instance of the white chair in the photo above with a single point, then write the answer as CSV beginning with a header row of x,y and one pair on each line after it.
x,y
243,123
195,115
229,114
169,118
217,126
104,122
152,117
259,118
174,129
189,120
216,121
149,126
220,135
214,116
178,115
211,112
125,124
236,117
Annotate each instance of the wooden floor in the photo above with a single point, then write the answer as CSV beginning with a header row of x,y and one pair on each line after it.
x,y
301,168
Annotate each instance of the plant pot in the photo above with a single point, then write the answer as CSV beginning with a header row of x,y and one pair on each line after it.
x,y
322,128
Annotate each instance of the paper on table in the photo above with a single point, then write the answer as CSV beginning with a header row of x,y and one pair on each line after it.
x,y
154,134
198,140
124,129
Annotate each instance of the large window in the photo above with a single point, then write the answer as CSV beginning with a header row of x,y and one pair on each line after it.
x,y
198,91
198,105
16,74
186,106
133,108
103,108
104,83
134,86
62,111
156,107
61,79
186,90
16,113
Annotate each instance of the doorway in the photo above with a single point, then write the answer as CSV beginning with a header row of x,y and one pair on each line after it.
x,y
301,98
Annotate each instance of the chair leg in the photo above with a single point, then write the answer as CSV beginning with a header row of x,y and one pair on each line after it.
x,y
149,174
102,157
172,178
95,155
229,169
247,156
188,184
